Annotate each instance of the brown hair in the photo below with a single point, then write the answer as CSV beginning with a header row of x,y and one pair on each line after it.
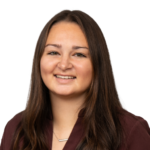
x,y
103,129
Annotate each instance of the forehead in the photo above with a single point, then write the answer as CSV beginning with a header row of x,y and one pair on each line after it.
x,y
70,31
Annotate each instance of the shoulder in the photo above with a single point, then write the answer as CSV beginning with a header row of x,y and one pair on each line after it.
x,y
137,131
14,121
10,130
133,121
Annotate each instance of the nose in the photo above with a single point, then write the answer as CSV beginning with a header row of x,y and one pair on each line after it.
x,y
64,63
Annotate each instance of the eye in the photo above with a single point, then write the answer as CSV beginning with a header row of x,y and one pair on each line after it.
x,y
80,54
75,54
52,52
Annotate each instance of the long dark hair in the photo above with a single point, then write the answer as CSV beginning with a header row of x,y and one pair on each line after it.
x,y
103,129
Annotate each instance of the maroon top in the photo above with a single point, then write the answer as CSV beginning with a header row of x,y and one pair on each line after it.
x,y
136,129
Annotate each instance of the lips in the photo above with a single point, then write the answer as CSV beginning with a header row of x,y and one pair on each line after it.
x,y
71,76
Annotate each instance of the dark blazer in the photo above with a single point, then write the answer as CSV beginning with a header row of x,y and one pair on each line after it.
x,y
136,129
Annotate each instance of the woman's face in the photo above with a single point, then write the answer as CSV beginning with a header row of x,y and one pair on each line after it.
x,y
66,67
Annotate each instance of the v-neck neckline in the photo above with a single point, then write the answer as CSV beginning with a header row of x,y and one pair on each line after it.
x,y
68,138
75,135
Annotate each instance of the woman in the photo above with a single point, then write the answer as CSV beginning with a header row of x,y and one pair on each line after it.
x,y
73,102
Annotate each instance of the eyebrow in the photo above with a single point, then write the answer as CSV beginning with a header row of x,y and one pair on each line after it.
x,y
59,46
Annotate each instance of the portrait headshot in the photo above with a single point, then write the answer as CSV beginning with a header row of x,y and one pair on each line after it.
x,y
67,84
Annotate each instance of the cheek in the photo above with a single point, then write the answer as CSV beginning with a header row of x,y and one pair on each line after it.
x,y
46,66
43,67
85,70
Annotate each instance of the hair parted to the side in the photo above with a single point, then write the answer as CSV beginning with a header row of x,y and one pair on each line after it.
x,y
103,129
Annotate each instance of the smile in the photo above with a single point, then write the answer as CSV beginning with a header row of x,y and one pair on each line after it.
x,y
61,80
64,77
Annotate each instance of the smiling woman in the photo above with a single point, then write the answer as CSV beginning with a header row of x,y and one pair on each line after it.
x,y
73,102
64,65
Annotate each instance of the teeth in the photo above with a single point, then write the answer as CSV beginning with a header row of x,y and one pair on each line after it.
x,y
64,77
